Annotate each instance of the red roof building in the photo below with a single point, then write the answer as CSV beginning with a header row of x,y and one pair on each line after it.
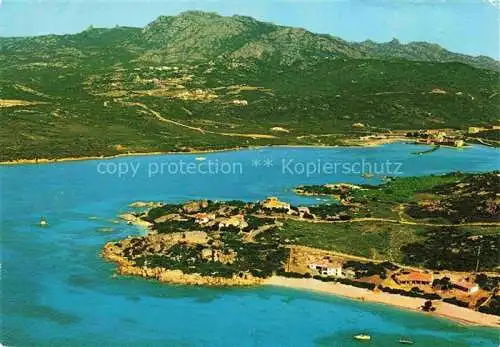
x,y
414,277
465,286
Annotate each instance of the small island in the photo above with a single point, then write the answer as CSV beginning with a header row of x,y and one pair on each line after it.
x,y
424,243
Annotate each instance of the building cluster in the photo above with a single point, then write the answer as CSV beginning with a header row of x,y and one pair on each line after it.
x,y
439,137
274,204
204,218
427,279
224,217
325,266
414,278
208,219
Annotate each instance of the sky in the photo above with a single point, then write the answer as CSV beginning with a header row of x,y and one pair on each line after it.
x,y
465,26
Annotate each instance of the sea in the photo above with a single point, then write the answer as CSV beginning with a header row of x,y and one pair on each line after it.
x,y
56,289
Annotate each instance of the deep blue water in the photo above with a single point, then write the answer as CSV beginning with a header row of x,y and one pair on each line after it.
x,y
57,291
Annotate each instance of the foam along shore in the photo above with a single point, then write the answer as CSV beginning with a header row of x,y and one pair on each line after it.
x,y
443,309
133,220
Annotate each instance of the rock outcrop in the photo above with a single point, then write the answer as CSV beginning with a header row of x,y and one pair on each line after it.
x,y
113,253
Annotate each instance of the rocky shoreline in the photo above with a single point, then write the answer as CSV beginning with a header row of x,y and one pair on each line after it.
x,y
238,244
461,315
112,253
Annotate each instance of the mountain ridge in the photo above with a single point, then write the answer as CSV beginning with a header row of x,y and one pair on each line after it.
x,y
202,36
207,82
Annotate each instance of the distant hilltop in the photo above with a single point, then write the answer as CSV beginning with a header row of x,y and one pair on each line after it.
x,y
201,36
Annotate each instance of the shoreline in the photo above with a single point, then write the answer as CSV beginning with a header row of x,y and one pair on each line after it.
x,y
127,268
366,144
457,314
445,310
460,315
107,157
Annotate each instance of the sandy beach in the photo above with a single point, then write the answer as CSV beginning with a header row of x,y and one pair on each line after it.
x,y
445,310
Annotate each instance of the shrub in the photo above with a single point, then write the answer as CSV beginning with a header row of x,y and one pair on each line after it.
x,y
414,292
457,302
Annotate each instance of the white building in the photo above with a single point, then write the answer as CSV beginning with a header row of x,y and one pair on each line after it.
x,y
327,268
465,286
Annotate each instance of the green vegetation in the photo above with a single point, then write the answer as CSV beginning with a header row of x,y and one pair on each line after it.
x,y
492,134
363,269
375,240
414,292
442,283
261,260
164,88
159,211
472,198
487,282
457,302
174,226
453,249
402,189
235,238
224,252
409,220
433,248
451,198
330,211
382,200
493,307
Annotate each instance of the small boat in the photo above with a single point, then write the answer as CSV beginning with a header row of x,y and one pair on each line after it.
x,y
43,222
200,158
406,341
367,175
362,337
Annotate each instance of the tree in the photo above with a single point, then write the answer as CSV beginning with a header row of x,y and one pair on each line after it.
x,y
428,306
442,283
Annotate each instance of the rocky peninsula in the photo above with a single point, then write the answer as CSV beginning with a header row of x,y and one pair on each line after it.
x,y
363,243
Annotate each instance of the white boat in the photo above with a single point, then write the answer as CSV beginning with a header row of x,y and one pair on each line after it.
x,y
43,222
362,337
405,341
200,158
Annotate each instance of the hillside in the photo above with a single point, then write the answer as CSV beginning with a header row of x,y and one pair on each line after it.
x,y
203,81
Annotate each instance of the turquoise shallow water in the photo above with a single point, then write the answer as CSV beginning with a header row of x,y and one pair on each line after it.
x,y
57,291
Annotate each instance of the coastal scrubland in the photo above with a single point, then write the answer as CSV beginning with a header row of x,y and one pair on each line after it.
x,y
243,83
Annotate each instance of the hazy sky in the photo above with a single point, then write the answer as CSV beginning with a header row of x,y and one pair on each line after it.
x,y
466,26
